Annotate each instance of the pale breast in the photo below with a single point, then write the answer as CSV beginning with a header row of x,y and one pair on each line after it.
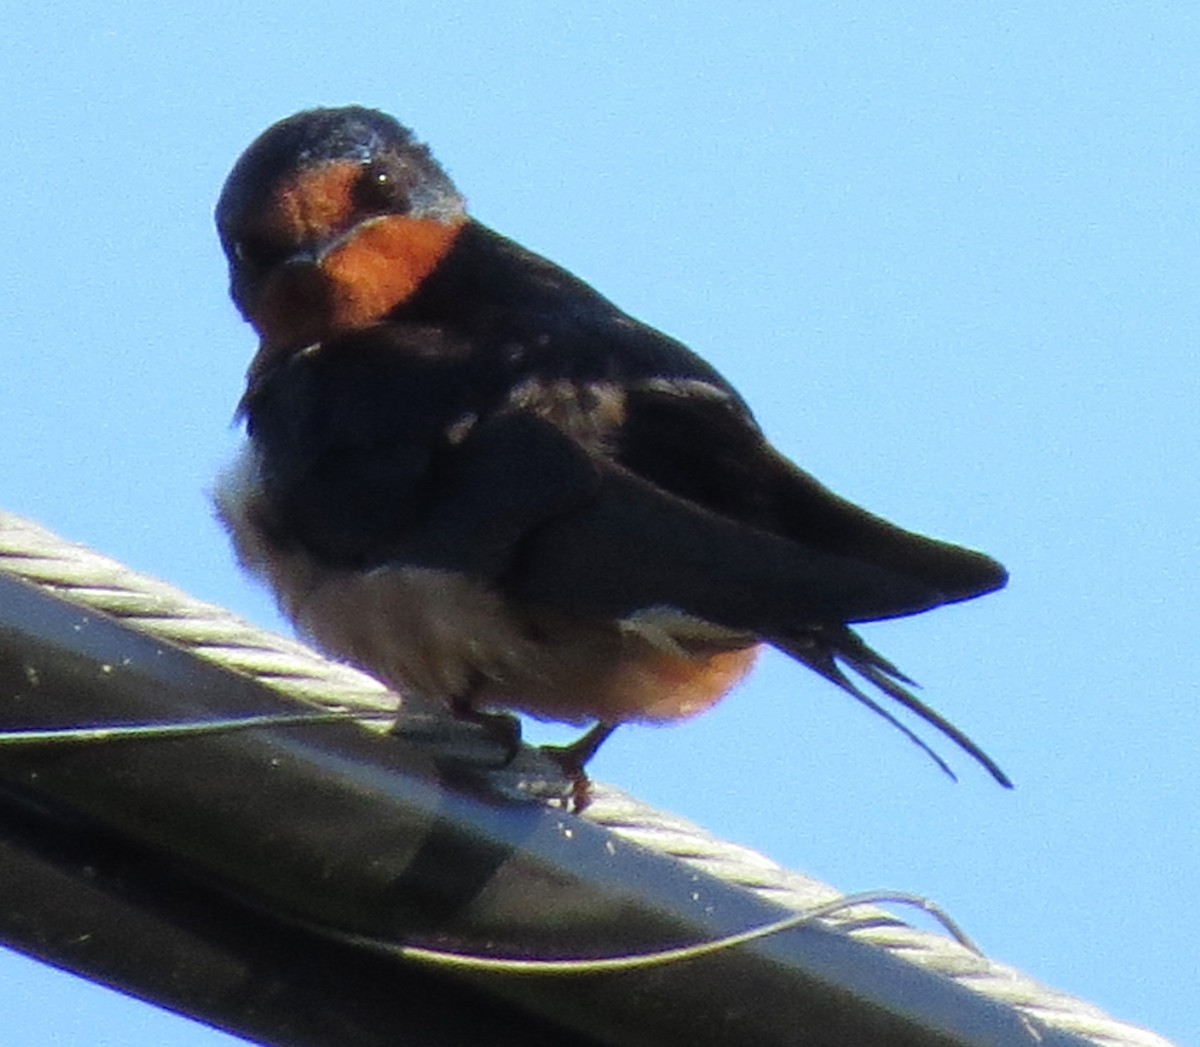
x,y
440,637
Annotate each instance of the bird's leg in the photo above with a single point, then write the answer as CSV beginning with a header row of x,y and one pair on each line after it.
x,y
573,759
502,728
447,735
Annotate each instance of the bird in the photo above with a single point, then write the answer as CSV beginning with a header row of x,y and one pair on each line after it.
x,y
471,475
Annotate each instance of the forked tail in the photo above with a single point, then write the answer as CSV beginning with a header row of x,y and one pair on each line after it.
x,y
827,648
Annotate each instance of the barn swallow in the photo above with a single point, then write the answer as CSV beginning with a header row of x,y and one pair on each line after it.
x,y
474,477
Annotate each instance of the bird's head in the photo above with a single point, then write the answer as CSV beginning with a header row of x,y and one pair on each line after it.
x,y
330,221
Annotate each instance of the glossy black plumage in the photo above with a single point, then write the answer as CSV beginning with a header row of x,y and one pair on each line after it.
x,y
506,423
359,441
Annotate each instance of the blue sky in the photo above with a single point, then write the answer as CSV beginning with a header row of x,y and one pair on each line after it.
x,y
948,252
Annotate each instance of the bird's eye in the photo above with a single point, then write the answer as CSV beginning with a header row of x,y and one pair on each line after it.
x,y
381,188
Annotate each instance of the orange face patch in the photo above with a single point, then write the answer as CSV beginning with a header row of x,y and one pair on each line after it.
x,y
363,268
314,206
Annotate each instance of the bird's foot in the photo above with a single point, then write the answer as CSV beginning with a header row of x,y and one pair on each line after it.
x,y
573,759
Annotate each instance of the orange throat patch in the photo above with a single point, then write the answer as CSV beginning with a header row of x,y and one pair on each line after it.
x,y
363,277
381,264
365,266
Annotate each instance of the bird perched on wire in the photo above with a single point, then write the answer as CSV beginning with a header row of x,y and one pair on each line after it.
x,y
473,476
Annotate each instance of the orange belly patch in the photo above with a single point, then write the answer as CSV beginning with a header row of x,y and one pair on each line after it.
x,y
614,674
678,688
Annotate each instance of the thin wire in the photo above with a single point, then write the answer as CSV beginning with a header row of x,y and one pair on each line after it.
x,y
98,584
661,957
178,728
658,957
